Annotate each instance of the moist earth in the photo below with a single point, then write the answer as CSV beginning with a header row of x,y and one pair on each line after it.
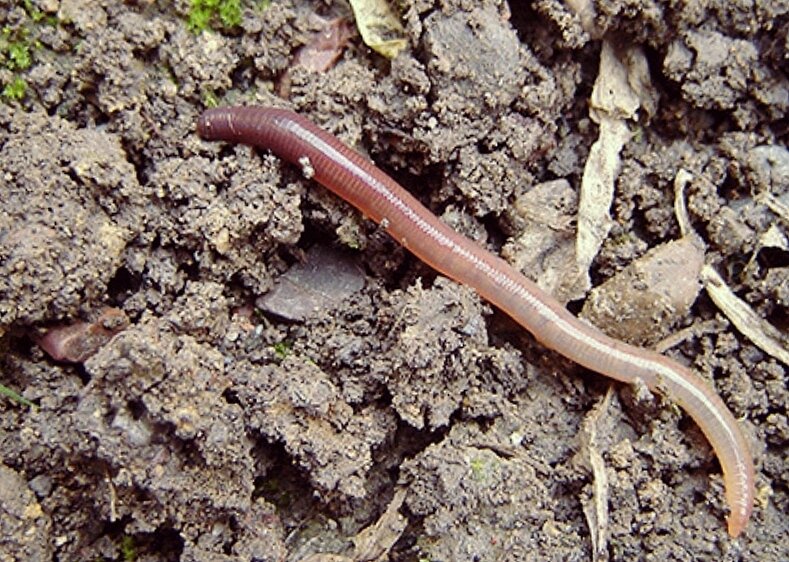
x,y
248,408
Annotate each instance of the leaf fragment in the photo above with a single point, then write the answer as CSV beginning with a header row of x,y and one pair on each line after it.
x,y
622,87
379,26
763,334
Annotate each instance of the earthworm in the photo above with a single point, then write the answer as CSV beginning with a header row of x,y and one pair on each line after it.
x,y
351,176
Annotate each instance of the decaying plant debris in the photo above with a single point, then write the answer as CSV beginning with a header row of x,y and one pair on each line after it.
x,y
406,420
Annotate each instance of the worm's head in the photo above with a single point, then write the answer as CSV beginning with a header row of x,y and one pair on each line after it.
x,y
217,124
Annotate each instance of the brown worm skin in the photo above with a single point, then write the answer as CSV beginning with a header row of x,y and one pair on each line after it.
x,y
324,158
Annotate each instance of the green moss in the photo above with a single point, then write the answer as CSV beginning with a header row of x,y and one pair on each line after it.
x,y
224,14
479,469
32,11
282,349
203,13
128,550
19,56
199,16
230,12
17,47
15,90
210,99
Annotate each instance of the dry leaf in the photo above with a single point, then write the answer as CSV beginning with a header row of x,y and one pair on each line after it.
x,y
596,509
766,336
622,87
379,26
763,334
375,541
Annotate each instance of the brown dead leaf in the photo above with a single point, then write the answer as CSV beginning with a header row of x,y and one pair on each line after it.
x,y
74,343
374,542
321,52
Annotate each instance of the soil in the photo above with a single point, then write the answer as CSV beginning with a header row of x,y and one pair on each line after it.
x,y
400,417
